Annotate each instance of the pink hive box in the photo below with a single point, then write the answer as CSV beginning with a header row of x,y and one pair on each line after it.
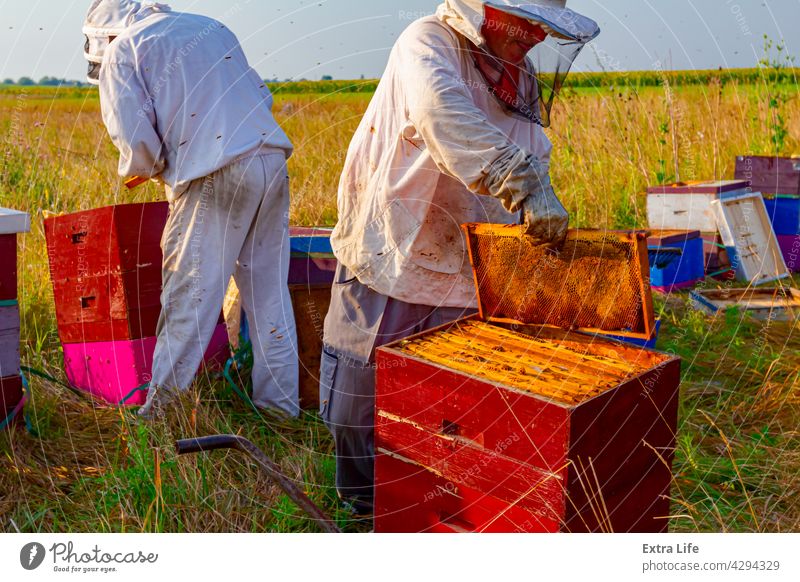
x,y
111,370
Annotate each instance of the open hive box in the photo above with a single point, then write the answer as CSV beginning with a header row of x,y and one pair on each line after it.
x,y
765,303
751,241
496,424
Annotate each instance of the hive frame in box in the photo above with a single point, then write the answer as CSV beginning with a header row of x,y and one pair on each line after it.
x,y
636,262
774,304
687,206
744,226
464,416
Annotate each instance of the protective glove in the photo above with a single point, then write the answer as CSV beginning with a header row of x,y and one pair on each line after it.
x,y
544,217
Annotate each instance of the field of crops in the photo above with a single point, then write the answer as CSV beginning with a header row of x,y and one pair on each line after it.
x,y
96,469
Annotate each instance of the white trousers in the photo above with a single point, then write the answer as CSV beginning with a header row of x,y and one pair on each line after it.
x,y
234,222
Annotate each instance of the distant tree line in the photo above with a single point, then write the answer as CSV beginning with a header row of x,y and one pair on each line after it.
x,y
44,82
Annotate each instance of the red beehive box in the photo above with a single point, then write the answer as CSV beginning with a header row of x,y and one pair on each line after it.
x,y
8,272
770,174
491,425
10,397
105,265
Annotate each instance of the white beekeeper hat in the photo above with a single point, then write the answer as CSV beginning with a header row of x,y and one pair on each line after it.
x,y
554,16
105,19
551,60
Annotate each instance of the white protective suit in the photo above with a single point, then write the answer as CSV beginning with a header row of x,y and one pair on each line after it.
x,y
435,150
178,96
181,103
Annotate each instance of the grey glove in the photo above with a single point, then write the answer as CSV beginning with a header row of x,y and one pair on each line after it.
x,y
544,217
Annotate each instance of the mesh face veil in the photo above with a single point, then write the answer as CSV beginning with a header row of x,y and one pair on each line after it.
x,y
105,20
541,75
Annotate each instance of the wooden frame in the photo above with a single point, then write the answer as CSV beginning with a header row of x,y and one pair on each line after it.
x,y
744,225
776,303
644,294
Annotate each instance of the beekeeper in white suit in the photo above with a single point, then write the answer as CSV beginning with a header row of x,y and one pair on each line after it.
x,y
452,135
183,106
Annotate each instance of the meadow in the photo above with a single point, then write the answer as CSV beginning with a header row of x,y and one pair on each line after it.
x,y
87,468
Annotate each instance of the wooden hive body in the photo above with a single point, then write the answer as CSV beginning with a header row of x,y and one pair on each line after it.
x,y
8,270
105,266
10,396
310,304
312,260
9,341
790,248
687,206
770,174
483,428
312,268
110,371
12,222
687,269
764,303
493,424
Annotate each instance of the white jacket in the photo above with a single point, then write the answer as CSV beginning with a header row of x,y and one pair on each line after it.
x,y
180,100
433,151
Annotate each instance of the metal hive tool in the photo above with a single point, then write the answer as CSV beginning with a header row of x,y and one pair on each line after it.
x,y
598,282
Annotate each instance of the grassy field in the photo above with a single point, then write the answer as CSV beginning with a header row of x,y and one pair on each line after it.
x,y
96,469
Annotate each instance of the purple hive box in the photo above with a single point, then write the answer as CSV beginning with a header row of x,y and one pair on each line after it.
x,y
312,260
790,247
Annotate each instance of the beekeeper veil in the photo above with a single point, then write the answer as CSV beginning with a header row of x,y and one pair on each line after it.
x,y
547,64
105,20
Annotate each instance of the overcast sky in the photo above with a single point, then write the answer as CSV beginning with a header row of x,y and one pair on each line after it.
x,y
350,38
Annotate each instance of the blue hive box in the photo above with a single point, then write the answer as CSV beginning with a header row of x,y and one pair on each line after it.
x,y
686,269
312,260
784,212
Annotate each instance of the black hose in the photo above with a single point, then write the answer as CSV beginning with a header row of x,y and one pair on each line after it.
x,y
272,470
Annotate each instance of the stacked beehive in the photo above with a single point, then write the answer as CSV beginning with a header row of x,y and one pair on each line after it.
x,y
11,396
494,424
311,271
105,266
778,179
687,207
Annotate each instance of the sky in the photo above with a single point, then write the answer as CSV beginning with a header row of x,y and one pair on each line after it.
x,y
306,39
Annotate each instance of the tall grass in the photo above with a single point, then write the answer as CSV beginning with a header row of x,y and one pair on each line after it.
x,y
95,469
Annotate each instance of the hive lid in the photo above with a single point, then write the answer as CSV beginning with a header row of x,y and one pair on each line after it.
x,y
13,221
598,282
663,238
700,187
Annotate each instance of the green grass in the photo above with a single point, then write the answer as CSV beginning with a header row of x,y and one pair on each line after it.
x,y
737,463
